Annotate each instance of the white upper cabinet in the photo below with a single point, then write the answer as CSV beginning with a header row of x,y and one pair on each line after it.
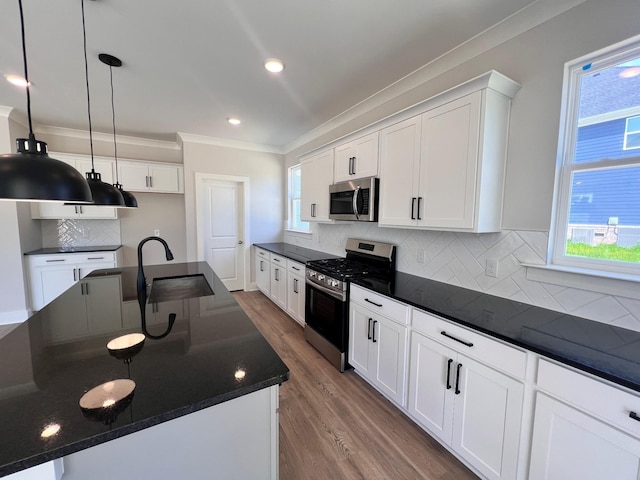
x,y
357,159
151,177
316,176
444,169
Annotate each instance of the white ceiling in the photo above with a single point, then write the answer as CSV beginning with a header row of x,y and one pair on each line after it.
x,y
188,65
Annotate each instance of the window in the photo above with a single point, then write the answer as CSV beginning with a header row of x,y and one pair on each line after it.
x,y
295,181
597,223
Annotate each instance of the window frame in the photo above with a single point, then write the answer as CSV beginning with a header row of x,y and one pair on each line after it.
x,y
569,122
290,201
628,132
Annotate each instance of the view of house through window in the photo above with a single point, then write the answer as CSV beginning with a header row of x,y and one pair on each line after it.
x,y
599,205
295,180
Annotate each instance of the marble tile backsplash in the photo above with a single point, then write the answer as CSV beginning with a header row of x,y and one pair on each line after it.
x,y
80,233
460,259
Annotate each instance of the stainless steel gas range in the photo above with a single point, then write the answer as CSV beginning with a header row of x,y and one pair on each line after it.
x,y
327,294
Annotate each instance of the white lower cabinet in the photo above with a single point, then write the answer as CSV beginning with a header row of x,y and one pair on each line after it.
x,y
295,291
101,298
51,275
279,281
583,428
263,271
472,408
378,351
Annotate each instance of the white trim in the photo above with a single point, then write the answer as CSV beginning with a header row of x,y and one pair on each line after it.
x,y
534,14
200,178
607,117
594,281
222,142
5,111
106,137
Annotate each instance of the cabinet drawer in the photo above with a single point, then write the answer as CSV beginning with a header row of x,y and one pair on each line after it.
x,y
278,260
606,402
295,267
262,253
54,259
486,350
380,304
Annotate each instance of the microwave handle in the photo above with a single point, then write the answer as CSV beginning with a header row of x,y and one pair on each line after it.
x,y
355,203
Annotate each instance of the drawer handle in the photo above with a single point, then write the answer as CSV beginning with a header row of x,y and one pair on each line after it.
x,y
373,303
468,344
59,260
95,258
635,416
449,373
295,268
276,260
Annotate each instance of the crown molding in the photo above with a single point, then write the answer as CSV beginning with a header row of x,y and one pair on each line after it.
x,y
5,111
523,20
223,142
106,137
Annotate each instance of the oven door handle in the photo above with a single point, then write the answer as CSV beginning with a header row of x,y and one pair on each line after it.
x,y
322,288
355,203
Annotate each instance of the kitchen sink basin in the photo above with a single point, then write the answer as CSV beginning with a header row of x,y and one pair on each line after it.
x,y
179,288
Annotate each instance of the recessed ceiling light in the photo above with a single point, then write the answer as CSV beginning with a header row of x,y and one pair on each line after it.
x,y
630,72
233,121
16,80
274,65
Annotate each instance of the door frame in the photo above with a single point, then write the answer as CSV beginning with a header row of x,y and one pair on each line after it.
x,y
201,179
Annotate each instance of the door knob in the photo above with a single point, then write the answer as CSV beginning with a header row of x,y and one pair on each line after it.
x,y
240,242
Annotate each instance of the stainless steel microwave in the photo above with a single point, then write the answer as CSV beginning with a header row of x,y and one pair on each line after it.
x,y
354,200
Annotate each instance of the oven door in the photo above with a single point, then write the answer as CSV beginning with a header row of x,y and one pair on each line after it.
x,y
327,315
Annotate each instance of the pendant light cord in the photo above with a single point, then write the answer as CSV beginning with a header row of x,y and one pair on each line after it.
x,y
113,116
26,73
86,73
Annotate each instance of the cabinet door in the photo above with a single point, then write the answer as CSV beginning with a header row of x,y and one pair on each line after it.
x,y
263,274
134,176
295,297
316,176
399,173
103,298
361,352
431,385
53,210
103,167
50,282
449,163
357,159
390,339
279,286
66,320
165,179
487,419
568,444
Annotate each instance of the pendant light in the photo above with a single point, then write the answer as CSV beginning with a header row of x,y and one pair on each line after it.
x,y
129,200
31,174
104,194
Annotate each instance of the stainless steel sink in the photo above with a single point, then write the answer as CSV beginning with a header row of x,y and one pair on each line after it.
x,y
179,288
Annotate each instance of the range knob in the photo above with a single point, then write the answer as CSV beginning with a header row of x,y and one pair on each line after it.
x,y
320,277
334,283
312,273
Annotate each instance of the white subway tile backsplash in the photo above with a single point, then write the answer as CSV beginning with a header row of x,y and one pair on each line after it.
x,y
460,259
80,233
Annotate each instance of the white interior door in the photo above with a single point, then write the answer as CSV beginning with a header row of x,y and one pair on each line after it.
x,y
222,232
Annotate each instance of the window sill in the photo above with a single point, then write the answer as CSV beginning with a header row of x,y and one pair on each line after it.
x,y
620,284
300,232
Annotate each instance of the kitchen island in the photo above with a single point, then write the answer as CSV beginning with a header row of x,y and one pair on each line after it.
x,y
204,399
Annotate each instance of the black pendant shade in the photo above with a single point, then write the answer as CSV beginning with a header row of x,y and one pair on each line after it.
x,y
104,194
31,174
129,200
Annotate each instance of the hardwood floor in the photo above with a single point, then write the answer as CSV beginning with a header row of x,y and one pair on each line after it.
x,y
335,426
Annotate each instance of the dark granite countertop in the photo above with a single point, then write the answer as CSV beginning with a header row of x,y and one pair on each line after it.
x,y
193,367
607,351
293,252
54,250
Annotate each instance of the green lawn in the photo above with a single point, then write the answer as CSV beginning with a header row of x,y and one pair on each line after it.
x,y
607,252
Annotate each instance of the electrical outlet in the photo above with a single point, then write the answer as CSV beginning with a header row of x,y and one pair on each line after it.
x,y
421,255
156,233
492,267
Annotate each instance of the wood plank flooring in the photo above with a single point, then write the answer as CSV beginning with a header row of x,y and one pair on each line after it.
x,y
336,426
